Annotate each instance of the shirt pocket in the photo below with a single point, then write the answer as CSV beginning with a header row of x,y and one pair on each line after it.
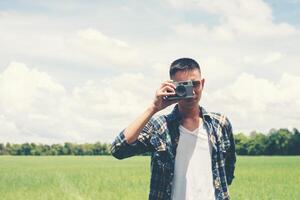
x,y
161,156
157,143
162,162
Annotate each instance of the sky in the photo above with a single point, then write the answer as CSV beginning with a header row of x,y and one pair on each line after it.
x,y
81,71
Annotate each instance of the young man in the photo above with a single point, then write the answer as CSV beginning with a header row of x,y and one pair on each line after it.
x,y
193,151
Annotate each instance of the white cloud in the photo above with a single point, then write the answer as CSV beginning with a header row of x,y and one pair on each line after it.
x,y
272,57
39,37
91,45
8,130
259,104
238,18
264,59
30,102
244,50
37,108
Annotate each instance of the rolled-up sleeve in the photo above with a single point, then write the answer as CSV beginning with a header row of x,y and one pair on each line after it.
x,y
120,149
230,158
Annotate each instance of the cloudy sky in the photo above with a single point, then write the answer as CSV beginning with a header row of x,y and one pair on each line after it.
x,y
81,71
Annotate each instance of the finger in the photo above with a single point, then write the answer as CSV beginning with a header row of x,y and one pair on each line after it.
x,y
159,94
169,81
169,84
168,88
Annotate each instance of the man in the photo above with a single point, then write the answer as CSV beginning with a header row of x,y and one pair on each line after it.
x,y
192,151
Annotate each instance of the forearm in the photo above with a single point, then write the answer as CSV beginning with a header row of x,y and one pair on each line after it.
x,y
132,132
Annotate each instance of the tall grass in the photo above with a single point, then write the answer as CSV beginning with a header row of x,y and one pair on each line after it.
x,y
104,177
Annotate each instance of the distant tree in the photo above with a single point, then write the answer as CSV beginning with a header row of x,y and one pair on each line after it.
x,y
241,144
278,141
25,149
78,151
15,149
294,144
105,149
57,149
68,149
45,150
256,144
36,150
88,149
2,149
97,148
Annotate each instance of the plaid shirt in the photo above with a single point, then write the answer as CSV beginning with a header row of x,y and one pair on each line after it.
x,y
160,136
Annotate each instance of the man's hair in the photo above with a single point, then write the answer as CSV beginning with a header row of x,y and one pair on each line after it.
x,y
183,64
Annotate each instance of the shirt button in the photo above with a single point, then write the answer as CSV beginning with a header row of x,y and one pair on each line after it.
x,y
217,183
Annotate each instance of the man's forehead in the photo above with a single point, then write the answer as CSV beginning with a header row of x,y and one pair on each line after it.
x,y
187,75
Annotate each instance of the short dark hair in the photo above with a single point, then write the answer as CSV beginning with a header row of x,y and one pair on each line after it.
x,y
183,64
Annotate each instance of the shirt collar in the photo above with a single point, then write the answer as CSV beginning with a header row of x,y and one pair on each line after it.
x,y
176,116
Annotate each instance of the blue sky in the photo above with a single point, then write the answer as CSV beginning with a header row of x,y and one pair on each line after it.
x,y
81,72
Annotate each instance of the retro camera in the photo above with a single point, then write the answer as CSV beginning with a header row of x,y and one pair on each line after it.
x,y
184,90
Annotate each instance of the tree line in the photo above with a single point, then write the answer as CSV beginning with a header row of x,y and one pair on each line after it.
x,y
276,142
55,149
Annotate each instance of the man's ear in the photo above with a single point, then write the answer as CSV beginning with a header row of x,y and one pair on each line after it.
x,y
202,82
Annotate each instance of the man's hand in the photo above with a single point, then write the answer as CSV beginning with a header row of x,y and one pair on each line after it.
x,y
166,88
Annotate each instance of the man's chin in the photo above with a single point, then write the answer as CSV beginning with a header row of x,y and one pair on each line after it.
x,y
189,102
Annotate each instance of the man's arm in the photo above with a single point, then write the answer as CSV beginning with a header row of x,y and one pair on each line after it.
x,y
230,158
135,139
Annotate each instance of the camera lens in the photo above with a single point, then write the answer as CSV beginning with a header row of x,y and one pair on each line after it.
x,y
180,91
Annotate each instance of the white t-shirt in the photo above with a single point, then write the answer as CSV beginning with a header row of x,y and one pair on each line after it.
x,y
193,178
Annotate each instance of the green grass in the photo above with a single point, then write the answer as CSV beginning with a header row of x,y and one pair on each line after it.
x,y
262,178
104,177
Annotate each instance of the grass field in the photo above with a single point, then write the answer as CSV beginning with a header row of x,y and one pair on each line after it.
x,y
104,177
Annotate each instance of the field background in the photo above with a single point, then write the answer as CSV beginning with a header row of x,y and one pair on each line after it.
x,y
104,177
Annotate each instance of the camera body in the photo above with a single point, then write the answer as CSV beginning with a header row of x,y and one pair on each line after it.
x,y
184,90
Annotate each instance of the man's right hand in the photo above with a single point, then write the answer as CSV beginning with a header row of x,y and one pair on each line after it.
x,y
132,132
166,88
